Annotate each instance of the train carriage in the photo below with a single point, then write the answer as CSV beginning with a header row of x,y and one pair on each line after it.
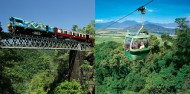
x,y
20,26
61,33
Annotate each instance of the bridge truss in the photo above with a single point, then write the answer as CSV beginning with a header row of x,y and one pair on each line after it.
x,y
8,40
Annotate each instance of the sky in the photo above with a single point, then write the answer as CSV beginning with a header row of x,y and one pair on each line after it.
x,y
159,11
58,13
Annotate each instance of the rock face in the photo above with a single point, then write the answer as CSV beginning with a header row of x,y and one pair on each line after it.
x,y
81,68
90,58
75,61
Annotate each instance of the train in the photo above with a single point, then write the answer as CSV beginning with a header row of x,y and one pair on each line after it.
x,y
20,26
1,29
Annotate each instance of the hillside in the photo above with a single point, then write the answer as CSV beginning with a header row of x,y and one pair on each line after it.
x,y
166,69
151,28
133,26
124,24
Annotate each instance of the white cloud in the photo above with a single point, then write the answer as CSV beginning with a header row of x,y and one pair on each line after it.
x,y
99,21
150,10
188,18
103,20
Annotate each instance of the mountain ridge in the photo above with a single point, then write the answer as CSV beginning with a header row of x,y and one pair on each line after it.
x,y
128,23
132,26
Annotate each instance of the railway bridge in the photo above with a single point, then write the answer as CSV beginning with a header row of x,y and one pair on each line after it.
x,y
77,48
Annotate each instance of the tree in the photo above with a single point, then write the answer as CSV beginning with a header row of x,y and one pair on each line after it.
x,y
144,31
75,27
166,70
67,87
90,29
182,42
154,44
182,24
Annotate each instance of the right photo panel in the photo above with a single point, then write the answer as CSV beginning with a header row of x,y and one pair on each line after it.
x,y
142,46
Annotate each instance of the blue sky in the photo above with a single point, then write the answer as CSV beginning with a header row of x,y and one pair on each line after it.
x,y
59,13
159,11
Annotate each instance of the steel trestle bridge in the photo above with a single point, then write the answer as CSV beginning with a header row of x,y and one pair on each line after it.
x,y
8,40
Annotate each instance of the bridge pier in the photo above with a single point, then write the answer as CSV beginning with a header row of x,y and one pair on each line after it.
x,y
75,61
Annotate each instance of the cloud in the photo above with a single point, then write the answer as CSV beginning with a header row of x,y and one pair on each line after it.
x,y
103,20
150,10
110,19
99,21
188,18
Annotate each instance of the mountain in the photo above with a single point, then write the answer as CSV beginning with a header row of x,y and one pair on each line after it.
x,y
133,26
128,23
103,25
153,28
124,24
166,25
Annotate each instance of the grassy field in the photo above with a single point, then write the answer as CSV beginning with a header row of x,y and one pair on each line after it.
x,y
117,37
105,37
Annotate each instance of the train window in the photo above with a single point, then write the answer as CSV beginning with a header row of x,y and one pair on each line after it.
x,y
73,34
68,32
77,34
65,32
80,35
11,19
62,31
84,35
59,31
87,36
47,28
19,21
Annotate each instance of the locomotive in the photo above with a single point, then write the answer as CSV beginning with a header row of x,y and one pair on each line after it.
x,y
1,29
20,26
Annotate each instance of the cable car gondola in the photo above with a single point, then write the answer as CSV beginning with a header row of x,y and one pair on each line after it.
x,y
137,46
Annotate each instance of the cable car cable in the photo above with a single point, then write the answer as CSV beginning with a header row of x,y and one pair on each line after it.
x,y
142,9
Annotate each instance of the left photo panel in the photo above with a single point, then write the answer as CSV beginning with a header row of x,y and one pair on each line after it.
x,y
47,47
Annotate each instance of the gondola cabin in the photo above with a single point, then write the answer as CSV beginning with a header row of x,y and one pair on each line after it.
x,y
136,46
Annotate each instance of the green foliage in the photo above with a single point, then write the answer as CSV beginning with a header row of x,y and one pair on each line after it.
x,y
166,37
88,80
182,24
67,87
37,83
154,44
89,29
28,71
144,31
36,71
182,42
75,27
110,68
166,70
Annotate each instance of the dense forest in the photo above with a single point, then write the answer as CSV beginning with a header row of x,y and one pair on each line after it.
x,y
29,71
166,70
